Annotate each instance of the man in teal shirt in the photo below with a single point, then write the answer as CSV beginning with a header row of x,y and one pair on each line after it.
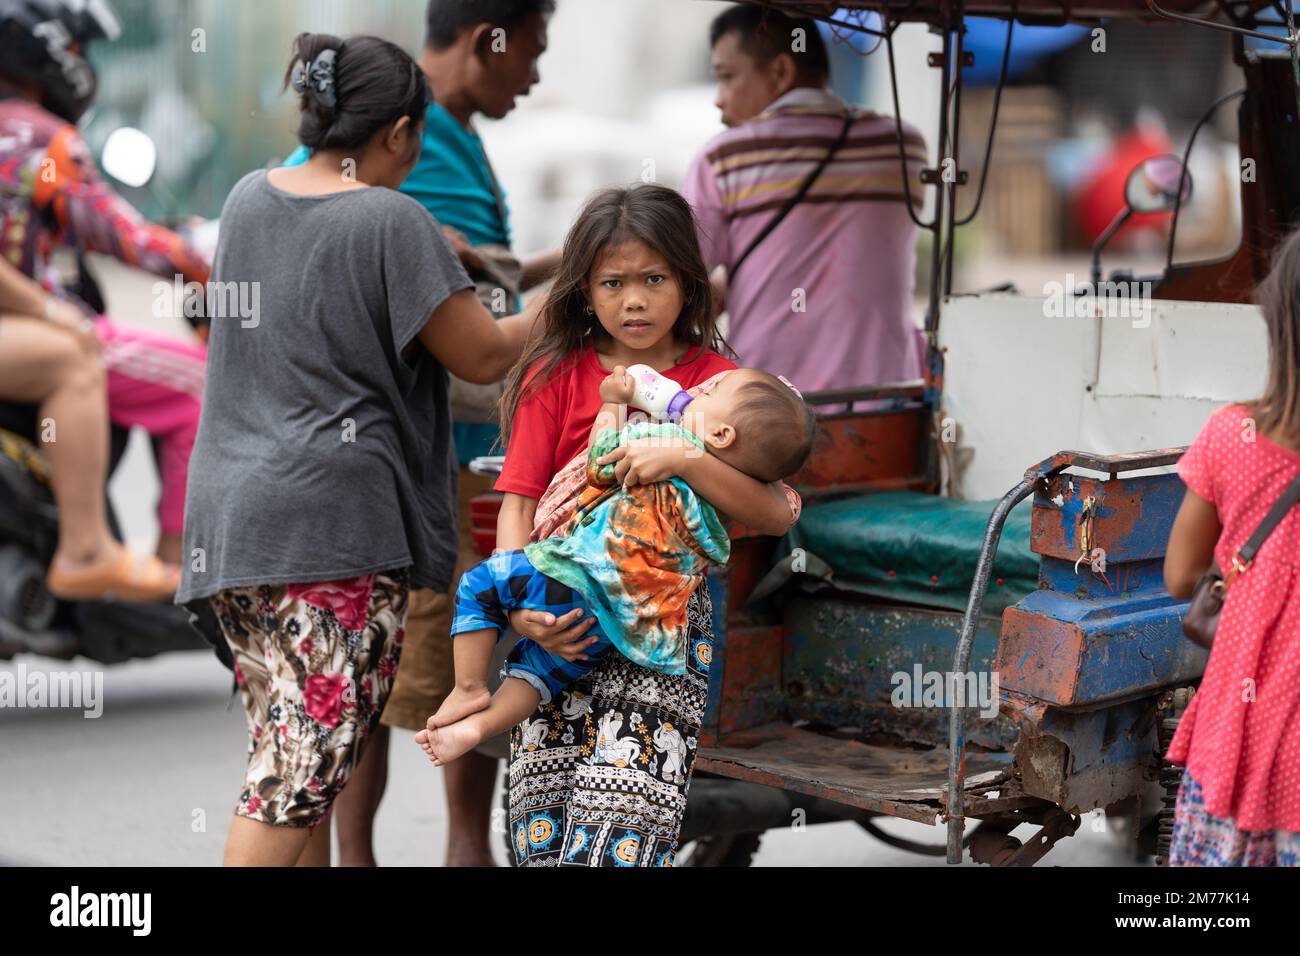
x,y
479,57
452,179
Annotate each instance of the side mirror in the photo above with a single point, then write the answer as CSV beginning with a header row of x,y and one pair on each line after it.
x,y
1154,185
130,156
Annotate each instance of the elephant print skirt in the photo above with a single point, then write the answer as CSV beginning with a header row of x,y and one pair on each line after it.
x,y
598,777
314,664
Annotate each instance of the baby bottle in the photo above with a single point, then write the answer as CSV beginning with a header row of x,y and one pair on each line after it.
x,y
657,394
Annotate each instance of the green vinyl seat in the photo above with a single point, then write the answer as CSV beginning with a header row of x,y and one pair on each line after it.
x,y
916,548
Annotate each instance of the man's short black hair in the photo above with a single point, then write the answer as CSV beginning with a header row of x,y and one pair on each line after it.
x,y
446,20
765,34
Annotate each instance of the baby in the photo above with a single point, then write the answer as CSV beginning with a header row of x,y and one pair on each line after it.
x,y
632,556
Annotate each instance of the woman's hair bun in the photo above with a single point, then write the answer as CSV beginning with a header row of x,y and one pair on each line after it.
x,y
348,89
311,73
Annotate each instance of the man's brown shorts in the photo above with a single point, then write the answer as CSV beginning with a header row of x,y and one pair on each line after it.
x,y
426,675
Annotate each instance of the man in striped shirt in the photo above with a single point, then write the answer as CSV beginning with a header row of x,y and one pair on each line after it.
x,y
826,298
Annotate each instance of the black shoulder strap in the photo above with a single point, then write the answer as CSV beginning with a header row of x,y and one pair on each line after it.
x,y
795,199
1271,521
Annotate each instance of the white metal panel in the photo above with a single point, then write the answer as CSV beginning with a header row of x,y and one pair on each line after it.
x,y
1021,385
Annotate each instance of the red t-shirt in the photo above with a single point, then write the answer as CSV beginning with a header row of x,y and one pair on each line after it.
x,y
553,425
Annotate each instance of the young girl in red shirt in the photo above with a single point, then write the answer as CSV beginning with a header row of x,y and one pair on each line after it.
x,y
1239,802
599,775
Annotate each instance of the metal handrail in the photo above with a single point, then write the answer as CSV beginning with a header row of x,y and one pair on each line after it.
x,y
1159,11
970,624
1045,469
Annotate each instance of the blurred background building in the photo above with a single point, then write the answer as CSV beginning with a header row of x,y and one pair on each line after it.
x,y
626,94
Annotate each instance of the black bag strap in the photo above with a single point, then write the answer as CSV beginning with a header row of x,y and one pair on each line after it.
x,y
1246,553
795,199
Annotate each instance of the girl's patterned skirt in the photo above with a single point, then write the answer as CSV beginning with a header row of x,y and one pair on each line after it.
x,y
598,777
1202,839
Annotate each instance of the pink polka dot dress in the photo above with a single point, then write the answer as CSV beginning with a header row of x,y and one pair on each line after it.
x,y
1240,737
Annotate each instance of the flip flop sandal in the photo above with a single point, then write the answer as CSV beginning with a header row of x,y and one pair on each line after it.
x,y
127,577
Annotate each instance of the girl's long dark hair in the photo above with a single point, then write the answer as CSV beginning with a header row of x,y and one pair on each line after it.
x,y
649,213
1277,411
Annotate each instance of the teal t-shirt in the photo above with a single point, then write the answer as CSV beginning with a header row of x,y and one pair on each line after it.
x,y
452,179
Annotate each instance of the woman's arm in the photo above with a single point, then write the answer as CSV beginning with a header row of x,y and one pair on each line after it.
x,y
21,294
609,416
515,521
718,285
95,218
762,507
1191,544
755,504
538,269
616,390
463,336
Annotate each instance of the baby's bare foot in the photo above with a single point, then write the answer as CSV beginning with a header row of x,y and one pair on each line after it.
x,y
460,704
422,738
454,740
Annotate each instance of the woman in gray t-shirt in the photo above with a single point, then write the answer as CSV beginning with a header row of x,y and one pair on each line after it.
x,y
322,484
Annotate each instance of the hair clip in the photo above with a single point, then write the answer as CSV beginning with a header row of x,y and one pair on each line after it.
x,y
789,384
316,78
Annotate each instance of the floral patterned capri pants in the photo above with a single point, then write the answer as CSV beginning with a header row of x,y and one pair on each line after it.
x,y
314,664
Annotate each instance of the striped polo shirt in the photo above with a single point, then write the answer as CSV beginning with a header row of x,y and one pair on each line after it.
x,y
826,298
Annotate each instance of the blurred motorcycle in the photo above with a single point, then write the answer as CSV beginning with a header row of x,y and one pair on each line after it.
x,y
31,619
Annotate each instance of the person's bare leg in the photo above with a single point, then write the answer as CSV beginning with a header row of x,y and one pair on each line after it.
x,y
317,850
50,367
45,365
514,700
469,783
254,843
355,808
472,653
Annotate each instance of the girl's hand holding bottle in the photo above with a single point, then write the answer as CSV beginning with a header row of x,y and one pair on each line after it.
x,y
618,387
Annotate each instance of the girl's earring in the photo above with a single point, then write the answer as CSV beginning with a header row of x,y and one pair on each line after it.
x,y
589,311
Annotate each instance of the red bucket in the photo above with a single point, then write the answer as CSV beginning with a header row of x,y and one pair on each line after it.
x,y
483,510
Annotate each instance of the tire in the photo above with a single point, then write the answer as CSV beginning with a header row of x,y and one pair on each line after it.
x,y
729,849
1170,775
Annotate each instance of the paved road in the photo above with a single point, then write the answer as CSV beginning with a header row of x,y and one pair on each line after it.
x,y
152,782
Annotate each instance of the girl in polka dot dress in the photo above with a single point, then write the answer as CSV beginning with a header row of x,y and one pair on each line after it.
x,y
1239,741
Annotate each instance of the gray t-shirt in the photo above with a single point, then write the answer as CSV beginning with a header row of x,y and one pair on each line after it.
x,y
324,449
